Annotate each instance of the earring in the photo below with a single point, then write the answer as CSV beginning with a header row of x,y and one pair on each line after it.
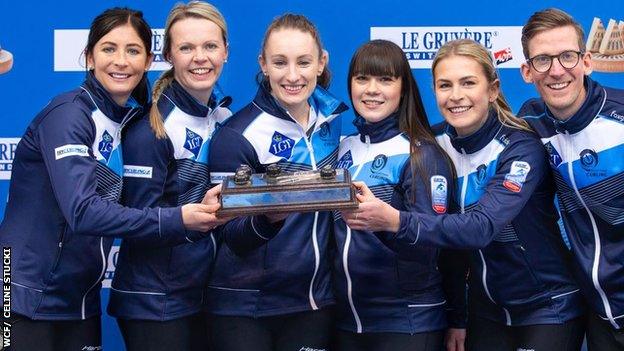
x,y
225,61
89,68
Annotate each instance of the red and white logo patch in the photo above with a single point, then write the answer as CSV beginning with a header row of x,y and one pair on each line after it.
x,y
514,180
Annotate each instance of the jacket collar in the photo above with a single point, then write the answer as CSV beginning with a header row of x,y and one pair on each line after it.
x,y
324,102
104,101
378,131
189,105
477,140
594,100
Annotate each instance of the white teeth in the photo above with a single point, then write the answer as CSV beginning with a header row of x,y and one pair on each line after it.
x,y
119,75
558,86
372,102
293,88
459,109
201,70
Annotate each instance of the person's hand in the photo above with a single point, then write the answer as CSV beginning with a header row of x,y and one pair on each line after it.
x,y
212,195
201,217
372,214
455,339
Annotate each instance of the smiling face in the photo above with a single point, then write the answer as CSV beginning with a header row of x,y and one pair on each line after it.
x,y
463,93
119,60
198,52
292,63
562,89
375,97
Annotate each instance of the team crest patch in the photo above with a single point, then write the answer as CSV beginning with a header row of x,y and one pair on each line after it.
x,y
345,161
379,163
516,176
439,193
193,142
105,147
281,145
325,131
589,159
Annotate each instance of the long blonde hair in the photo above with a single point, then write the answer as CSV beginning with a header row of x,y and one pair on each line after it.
x,y
194,9
472,49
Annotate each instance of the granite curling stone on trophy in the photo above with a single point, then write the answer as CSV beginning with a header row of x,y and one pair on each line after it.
x,y
245,193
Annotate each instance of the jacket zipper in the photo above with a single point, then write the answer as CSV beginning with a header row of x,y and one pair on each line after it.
x,y
345,253
483,263
597,244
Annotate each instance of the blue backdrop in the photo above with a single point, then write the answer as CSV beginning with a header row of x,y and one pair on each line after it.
x,y
43,38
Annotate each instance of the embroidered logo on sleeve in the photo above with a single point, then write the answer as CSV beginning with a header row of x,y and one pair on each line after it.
x,y
131,171
70,150
516,176
439,193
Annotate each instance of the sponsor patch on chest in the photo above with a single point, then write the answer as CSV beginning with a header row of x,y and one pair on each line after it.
x,y
193,142
105,146
345,160
281,145
514,180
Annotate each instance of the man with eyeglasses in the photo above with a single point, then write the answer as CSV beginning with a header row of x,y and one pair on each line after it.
x,y
581,124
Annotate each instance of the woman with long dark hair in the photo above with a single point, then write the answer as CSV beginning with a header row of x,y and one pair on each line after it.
x,y
391,300
522,295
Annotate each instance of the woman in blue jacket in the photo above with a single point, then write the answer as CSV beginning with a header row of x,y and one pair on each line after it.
x,y
157,293
388,300
63,212
522,295
274,294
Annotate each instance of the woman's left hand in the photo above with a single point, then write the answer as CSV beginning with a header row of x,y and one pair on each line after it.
x,y
372,213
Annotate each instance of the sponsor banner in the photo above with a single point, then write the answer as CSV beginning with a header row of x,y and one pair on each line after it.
x,y
69,45
7,154
421,43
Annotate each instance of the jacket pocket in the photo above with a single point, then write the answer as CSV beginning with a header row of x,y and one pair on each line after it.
x,y
412,275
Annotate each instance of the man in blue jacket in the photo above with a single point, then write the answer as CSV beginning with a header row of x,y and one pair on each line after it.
x,y
581,124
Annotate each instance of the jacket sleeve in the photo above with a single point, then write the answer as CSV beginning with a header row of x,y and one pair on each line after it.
x,y
66,136
433,195
521,168
228,150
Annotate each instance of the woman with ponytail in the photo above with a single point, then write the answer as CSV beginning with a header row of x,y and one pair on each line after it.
x,y
522,295
62,214
157,294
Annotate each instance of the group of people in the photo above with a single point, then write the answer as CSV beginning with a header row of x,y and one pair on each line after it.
x,y
455,244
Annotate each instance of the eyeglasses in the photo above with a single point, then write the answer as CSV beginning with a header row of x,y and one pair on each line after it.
x,y
567,59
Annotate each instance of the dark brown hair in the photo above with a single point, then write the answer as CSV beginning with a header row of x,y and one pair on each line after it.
x,y
385,58
302,23
116,17
549,19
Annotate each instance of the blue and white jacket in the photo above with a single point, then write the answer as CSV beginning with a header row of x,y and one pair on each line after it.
x,y
291,271
167,283
587,158
378,290
520,271
62,211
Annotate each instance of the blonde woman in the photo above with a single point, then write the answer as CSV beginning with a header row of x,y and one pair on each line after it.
x,y
522,295
157,293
